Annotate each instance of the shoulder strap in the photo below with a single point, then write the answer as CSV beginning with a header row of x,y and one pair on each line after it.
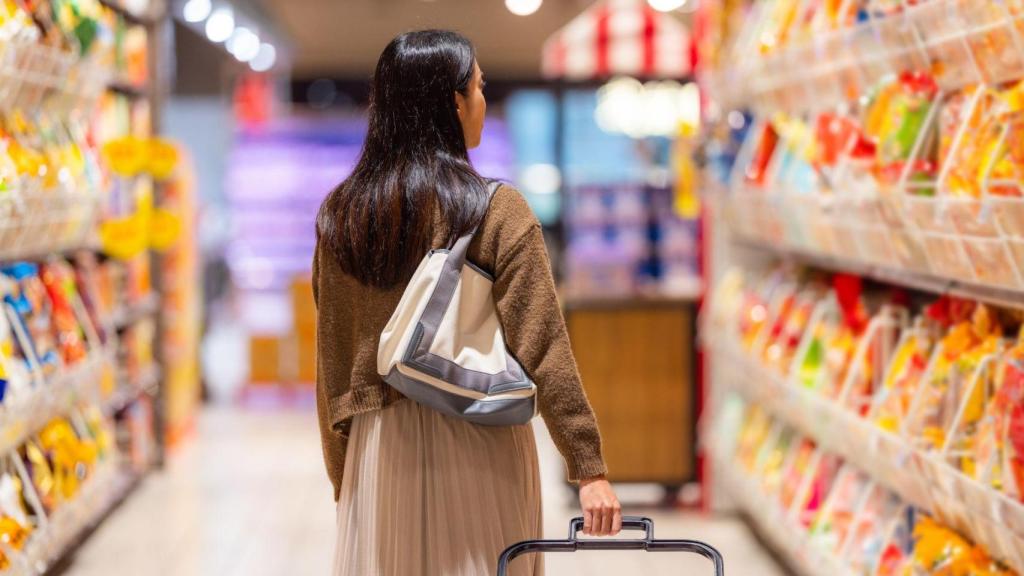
x,y
457,257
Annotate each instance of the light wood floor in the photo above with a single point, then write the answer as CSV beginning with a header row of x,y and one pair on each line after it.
x,y
248,497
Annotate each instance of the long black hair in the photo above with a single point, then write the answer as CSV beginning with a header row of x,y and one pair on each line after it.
x,y
379,222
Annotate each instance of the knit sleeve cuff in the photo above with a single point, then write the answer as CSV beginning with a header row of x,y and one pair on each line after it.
x,y
581,467
335,413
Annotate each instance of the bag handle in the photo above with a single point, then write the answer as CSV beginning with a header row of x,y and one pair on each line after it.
x,y
457,256
648,543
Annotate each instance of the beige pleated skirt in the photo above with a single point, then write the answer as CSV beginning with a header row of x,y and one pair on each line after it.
x,y
424,494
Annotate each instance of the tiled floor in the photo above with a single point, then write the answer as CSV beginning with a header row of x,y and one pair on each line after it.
x,y
248,497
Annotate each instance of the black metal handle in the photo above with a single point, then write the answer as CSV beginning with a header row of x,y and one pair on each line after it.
x,y
648,543
628,523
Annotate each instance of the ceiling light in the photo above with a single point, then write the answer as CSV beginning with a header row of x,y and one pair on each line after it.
x,y
196,10
264,59
244,44
523,7
220,25
666,5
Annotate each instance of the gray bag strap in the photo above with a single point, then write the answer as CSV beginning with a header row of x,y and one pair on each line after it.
x,y
457,257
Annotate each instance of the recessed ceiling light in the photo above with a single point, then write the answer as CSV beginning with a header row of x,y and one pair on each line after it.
x,y
196,10
265,59
244,44
221,25
666,5
523,7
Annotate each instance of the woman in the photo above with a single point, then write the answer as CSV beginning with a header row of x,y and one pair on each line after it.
x,y
420,493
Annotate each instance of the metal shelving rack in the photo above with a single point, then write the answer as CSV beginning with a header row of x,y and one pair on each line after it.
x,y
29,217
941,244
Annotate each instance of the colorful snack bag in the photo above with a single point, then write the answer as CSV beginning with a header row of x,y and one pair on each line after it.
x,y
801,464
963,349
906,370
59,281
757,171
825,470
780,351
999,448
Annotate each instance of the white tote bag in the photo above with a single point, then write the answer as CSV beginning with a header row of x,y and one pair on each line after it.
x,y
444,346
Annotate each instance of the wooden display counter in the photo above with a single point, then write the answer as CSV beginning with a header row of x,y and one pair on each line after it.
x,y
636,358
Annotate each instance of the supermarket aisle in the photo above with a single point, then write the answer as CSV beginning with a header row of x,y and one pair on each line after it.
x,y
248,497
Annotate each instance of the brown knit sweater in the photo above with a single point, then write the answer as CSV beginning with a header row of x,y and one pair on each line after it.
x,y
351,316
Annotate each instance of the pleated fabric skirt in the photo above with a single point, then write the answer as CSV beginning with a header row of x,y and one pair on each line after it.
x,y
424,494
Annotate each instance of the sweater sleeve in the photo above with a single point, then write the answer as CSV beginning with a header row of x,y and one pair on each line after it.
x,y
527,304
332,441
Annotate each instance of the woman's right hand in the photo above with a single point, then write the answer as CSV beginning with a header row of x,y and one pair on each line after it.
x,y
602,514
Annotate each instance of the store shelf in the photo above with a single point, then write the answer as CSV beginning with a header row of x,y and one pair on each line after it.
x,y
128,392
772,523
962,247
952,35
919,477
20,417
126,316
1005,297
104,490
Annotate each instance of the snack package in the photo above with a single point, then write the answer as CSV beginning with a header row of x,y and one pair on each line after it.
x,y
15,375
999,448
28,310
15,524
895,118
782,347
835,519
778,316
897,554
756,429
906,369
71,457
772,462
87,278
59,281
804,456
777,25
797,152
100,429
1003,164
834,340
962,350
753,317
867,537
41,474
757,171
825,470
940,551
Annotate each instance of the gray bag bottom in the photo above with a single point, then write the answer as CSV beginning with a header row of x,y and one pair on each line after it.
x,y
510,412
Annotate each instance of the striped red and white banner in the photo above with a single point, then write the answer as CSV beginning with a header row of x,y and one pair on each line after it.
x,y
619,37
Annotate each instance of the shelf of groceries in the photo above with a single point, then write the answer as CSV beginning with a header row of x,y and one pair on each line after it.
x,y
77,308
826,516
800,57
906,157
884,140
925,405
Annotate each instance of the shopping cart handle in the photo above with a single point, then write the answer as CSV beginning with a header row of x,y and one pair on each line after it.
x,y
648,543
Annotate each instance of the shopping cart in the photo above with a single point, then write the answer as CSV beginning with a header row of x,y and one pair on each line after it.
x,y
647,543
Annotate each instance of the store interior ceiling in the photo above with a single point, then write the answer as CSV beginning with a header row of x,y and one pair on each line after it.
x,y
343,38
